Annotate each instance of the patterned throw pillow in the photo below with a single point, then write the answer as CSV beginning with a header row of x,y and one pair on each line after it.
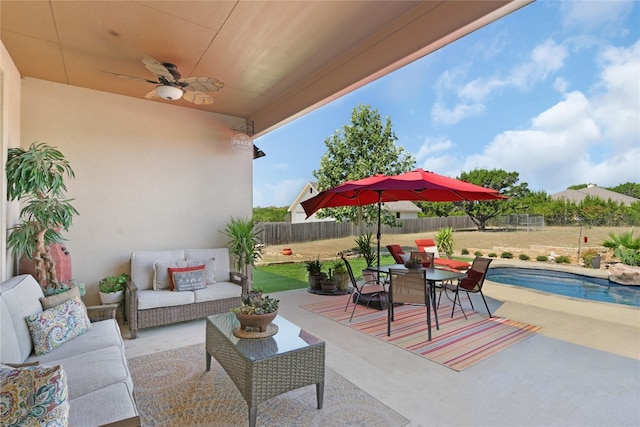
x,y
34,396
188,279
55,326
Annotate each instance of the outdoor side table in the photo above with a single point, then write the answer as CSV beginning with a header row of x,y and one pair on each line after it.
x,y
266,367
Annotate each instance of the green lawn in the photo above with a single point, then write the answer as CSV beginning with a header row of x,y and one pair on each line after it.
x,y
284,277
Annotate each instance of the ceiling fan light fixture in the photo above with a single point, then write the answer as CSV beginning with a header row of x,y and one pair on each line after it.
x,y
170,93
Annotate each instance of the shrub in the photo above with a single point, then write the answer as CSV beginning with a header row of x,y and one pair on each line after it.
x,y
478,253
524,257
493,255
563,260
507,255
465,251
542,258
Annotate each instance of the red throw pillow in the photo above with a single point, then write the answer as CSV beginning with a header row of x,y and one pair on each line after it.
x,y
181,270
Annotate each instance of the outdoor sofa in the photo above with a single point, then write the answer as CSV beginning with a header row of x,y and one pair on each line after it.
x,y
150,301
78,367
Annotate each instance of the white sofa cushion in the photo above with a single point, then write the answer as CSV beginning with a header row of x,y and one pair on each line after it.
x,y
118,405
21,297
433,249
156,299
220,290
10,348
93,370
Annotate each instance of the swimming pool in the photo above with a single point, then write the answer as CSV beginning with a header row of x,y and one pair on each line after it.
x,y
568,284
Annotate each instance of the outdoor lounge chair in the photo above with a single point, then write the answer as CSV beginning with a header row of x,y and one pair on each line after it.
x,y
471,283
428,245
377,299
409,287
396,252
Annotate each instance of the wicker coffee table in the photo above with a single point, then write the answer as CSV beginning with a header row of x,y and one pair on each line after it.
x,y
266,367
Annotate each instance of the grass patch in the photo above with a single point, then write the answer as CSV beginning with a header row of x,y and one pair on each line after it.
x,y
284,277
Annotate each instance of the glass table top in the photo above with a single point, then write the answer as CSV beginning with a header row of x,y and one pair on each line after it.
x,y
289,337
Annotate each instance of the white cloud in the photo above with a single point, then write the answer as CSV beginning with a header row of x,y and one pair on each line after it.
x,y
578,140
544,60
441,114
617,106
432,146
589,15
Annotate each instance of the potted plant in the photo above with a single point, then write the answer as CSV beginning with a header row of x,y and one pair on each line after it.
x,y
314,269
45,213
591,258
256,311
329,283
367,251
444,241
413,263
341,275
244,243
111,288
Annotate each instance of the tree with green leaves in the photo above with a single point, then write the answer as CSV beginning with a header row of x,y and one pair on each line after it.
x,y
506,183
361,149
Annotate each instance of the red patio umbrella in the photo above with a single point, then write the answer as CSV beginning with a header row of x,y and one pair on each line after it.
x,y
416,185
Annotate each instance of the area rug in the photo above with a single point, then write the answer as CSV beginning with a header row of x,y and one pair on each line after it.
x,y
172,388
459,344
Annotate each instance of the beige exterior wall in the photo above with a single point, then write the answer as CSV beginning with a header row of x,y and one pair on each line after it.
x,y
10,137
149,175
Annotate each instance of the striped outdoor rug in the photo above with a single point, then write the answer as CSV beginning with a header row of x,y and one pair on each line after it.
x,y
458,344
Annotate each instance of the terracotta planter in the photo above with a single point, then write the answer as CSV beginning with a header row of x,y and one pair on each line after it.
x,y
256,321
287,251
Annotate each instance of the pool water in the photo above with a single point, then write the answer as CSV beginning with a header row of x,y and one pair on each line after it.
x,y
568,284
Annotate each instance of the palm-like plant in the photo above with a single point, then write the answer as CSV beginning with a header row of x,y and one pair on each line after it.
x,y
244,237
36,177
444,241
624,247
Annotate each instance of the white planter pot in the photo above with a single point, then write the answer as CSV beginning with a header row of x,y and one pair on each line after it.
x,y
111,297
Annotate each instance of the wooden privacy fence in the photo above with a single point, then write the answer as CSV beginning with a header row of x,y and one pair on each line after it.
x,y
282,233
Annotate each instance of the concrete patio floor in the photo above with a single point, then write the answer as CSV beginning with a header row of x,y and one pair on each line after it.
x,y
582,369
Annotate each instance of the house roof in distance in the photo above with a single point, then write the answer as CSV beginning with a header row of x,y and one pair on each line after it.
x,y
594,191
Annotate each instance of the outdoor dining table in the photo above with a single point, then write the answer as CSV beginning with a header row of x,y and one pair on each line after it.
x,y
433,276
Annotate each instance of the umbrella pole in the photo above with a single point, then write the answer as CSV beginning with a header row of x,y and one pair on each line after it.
x,y
378,235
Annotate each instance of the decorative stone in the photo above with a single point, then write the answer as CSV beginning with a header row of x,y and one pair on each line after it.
x,y
624,274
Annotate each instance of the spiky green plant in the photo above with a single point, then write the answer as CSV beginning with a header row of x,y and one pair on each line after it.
x,y
245,236
444,241
625,247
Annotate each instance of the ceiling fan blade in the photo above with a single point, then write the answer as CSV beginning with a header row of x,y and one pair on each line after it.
x,y
198,98
202,84
123,76
152,95
158,68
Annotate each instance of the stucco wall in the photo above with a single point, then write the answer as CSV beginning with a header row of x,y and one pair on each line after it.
x,y
10,137
149,175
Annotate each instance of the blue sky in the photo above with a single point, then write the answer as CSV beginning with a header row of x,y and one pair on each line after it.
x,y
551,91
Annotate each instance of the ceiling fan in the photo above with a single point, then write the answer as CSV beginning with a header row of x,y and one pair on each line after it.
x,y
171,86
